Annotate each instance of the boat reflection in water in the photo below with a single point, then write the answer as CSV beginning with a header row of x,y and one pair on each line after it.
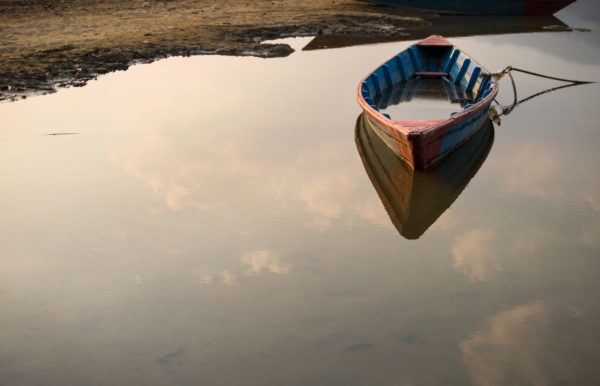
x,y
415,199
448,26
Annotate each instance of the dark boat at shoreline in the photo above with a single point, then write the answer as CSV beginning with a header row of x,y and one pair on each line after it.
x,y
483,7
415,199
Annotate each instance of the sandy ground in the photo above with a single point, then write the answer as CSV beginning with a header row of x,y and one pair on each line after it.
x,y
46,44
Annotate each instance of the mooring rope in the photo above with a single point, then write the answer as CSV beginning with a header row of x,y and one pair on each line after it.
x,y
508,71
547,76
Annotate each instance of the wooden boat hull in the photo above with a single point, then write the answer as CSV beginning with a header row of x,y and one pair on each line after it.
x,y
483,7
415,199
422,143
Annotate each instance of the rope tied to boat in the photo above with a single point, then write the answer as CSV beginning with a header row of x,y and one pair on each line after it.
x,y
508,71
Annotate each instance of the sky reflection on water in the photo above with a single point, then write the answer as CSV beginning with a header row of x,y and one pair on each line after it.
x,y
212,223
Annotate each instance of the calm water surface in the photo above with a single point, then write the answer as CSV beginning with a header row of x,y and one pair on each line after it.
x,y
211,222
423,98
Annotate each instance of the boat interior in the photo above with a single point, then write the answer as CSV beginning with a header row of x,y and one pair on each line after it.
x,y
465,81
429,98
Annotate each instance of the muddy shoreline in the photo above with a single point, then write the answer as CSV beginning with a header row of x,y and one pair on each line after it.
x,y
45,45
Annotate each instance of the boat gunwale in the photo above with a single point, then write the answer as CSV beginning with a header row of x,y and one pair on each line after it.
x,y
411,137
412,127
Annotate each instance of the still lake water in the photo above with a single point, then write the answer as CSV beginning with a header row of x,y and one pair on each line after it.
x,y
210,222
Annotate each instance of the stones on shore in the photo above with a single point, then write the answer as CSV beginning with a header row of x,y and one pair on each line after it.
x,y
259,50
564,28
276,50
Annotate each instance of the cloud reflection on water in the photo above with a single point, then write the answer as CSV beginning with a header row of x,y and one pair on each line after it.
x,y
506,351
530,171
544,342
474,254
264,260
209,172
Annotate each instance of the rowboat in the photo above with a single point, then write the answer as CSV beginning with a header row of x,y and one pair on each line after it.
x,y
415,199
423,142
483,7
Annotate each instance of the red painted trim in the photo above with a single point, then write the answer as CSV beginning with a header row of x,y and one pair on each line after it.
x,y
435,41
